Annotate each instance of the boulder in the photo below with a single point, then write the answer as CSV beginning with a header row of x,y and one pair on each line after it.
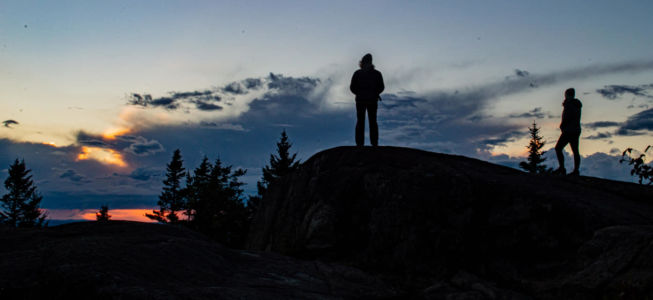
x,y
422,219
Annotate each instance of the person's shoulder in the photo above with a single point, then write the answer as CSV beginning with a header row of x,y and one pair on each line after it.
x,y
578,103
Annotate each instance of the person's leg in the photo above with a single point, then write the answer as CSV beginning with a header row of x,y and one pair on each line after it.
x,y
573,142
562,142
374,127
360,124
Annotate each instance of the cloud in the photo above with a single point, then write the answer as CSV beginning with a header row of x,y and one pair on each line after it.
x,y
145,174
9,123
208,100
88,139
637,124
521,73
72,175
144,147
536,113
242,87
136,145
601,124
613,91
502,139
147,100
599,136
223,126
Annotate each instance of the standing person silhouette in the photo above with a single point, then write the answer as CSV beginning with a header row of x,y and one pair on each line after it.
x,y
367,85
570,127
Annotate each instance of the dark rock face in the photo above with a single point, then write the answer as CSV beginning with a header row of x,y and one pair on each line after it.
x,y
130,260
441,225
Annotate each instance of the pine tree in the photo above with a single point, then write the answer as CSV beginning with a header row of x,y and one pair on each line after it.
x,y
197,186
280,165
215,205
21,203
103,214
535,160
171,199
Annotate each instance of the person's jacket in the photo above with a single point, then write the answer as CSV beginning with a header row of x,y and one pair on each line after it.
x,y
571,115
367,84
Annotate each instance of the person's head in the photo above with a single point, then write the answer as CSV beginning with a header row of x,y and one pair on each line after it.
x,y
570,93
366,61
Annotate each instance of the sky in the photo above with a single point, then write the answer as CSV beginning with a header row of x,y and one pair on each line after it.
x,y
96,95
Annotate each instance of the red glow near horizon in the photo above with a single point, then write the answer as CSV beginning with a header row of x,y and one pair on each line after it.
x,y
130,214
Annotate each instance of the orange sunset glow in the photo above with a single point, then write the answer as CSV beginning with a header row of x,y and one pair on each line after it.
x,y
105,156
110,134
133,214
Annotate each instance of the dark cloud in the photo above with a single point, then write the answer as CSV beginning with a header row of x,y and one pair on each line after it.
x,y
145,174
144,147
9,123
614,91
601,124
72,175
222,125
207,100
599,136
137,145
146,100
637,124
243,86
205,106
502,139
536,113
292,85
521,73
84,138
193,94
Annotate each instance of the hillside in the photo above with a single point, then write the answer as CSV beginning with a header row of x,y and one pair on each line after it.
x,y
366,223
425,220
131,260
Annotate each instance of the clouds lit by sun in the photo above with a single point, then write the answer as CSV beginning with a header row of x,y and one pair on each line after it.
x,y
105,156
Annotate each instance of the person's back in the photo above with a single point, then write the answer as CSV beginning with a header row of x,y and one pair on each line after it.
x,y
367,84
571,115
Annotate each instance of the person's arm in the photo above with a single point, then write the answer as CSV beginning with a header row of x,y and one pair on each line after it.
x,y
353,86
381,85
565,115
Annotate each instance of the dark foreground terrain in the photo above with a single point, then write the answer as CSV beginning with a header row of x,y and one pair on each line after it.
x,y
131,260
352,223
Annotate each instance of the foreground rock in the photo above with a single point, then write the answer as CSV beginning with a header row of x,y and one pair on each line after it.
x,y
443,226
129,260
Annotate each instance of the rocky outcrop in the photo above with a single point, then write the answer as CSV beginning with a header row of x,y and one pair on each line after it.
x,y
366,223
439,225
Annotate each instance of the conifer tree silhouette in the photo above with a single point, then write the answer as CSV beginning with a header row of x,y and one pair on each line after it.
x,y
197,186
171,199
535,160
103,214
280,165
21,203
214,202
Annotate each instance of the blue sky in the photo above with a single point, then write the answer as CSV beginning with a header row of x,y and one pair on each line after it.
x,y
462,77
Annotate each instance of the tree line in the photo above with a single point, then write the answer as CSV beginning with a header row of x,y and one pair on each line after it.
x,y
210,199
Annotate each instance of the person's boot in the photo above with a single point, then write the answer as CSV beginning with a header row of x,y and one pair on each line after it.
x,y
574,173
560,171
